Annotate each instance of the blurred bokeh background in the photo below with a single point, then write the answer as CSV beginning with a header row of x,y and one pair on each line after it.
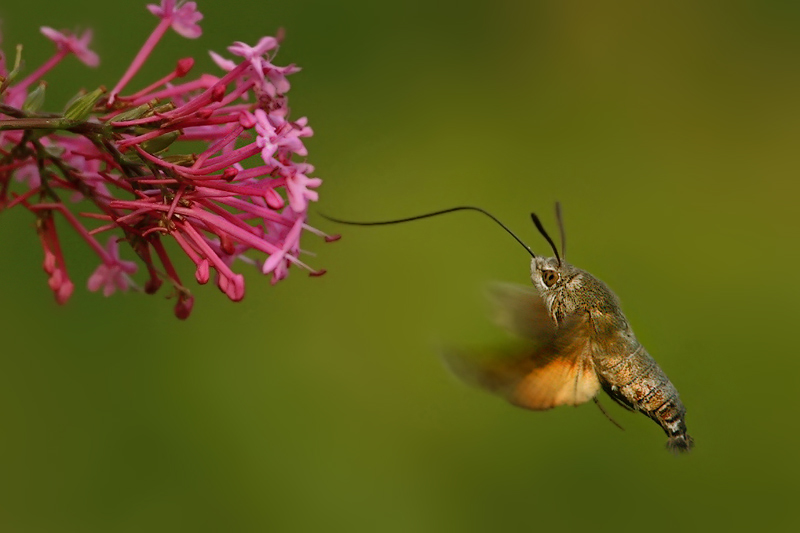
x,y
668,131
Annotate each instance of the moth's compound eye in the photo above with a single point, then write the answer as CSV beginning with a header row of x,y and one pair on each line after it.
x,y
549,277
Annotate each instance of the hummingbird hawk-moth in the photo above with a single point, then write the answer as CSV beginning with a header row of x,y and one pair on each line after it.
x,y
579,344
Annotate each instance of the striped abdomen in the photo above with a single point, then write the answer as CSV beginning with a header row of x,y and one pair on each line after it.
x,y
637,382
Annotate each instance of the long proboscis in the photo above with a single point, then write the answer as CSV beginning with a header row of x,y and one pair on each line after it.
x,y
433,214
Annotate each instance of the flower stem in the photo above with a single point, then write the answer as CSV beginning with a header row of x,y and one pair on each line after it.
x,y
54,123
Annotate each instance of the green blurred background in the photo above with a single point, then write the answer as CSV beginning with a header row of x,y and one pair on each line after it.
x,y
668,132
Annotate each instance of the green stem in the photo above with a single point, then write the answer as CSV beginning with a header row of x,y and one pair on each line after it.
x,y
23,121
39,124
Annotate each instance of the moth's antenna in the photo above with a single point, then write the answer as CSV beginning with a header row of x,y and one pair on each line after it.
x,y
433,214
563,233
539,226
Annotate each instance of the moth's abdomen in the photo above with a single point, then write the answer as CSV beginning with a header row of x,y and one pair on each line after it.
x,y
637,382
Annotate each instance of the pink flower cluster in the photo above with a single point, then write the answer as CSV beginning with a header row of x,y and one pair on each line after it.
x,y
242,199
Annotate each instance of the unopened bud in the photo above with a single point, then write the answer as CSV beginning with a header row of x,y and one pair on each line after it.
x,y
82,106
35,100
160,143
184,66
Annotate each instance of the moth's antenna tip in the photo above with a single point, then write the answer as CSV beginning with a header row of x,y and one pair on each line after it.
x,y
540,227
560,221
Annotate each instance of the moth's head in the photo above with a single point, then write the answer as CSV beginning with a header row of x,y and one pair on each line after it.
x,y
550,276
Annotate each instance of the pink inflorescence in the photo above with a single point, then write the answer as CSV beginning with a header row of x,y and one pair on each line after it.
x,y
242,198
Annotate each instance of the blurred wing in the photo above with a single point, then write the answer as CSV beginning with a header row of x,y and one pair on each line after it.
x,y
565,374
521,311
559,373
